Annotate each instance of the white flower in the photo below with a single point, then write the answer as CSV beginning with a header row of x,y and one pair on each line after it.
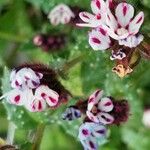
x,y
90,133
25,78
98,108
97,18
123,26
99,39
42,97
60,14
71,113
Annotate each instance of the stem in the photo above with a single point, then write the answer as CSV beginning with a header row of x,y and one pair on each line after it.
x,y
11,133
68,65
38,137
11,37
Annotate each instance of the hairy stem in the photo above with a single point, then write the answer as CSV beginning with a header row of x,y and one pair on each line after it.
x,y
11,133
38,137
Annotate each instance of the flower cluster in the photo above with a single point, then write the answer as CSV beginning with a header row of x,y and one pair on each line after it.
x,y
99,111
114,27
50,43
33,88
61,14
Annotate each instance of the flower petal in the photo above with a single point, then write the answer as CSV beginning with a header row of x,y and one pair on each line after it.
x,y
136,23
26,78
91,144
99,39
16,97
84,131
44,92
85,16
115,36
124,14
12,75
110,4
36,105
105,118
98,130
111,21
65,18
55,20
92,117
132,41
91,20
105,105
98,6
94,98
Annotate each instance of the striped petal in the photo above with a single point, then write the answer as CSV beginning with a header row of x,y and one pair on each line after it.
x,y
85,16
16,97
136,23
99,39
124,14
110,4
91,144
105,118
94,98
99,130
36,105
84,131
98,6
92,117
111,21
44,92
91,20
105,105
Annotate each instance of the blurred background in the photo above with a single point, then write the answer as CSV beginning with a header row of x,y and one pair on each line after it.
x,y
81,70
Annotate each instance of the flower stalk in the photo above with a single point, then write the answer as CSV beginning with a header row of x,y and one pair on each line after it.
x,y
11,133
38,137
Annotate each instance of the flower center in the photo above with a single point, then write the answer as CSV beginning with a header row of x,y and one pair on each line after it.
x,y
122,31
94,110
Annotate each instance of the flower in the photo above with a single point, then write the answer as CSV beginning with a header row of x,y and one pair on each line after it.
x,y
97,18
50,43
25,77
71,113
43,97
90,133
98,108
122,71
31,88
60,14
123,26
